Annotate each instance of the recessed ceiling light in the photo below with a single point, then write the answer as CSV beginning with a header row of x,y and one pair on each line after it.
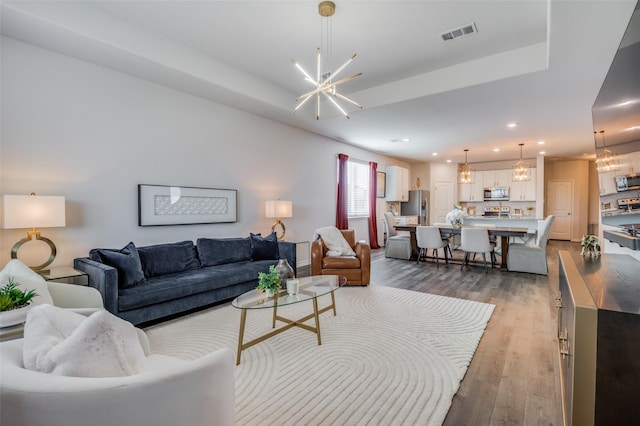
x,y
496,149
401,140
540,142
448,161
434,154
512,125
542,152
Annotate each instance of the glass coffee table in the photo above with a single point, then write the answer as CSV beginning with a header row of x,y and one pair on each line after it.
x,y
310,288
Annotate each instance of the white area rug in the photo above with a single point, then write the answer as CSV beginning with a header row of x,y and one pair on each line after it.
x,y
390,357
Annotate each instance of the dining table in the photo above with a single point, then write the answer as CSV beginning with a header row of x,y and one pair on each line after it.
x,y
504,232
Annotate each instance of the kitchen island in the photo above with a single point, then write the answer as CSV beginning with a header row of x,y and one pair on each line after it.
x,y
531,223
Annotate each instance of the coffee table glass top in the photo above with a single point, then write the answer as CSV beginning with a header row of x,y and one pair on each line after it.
x,y
309,288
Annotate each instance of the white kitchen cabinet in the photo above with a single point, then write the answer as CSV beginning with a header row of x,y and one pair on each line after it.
x,y
397,184
523,191
496,178
634,162
607,182
471,192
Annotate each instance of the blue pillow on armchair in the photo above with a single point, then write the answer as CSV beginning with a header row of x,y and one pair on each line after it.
x,y
127,262
264,248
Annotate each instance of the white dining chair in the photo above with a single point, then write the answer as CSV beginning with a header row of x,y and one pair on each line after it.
x,y
397,245
531,258
428,237
449,238
476,240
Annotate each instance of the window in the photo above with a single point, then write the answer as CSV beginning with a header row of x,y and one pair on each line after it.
x,y
357,189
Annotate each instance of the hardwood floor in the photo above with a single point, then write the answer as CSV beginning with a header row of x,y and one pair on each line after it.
x,y
514,376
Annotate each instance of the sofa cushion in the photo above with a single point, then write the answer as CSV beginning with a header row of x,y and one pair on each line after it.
x,y
174,286
340,262
264,248
217,251
168,258
127,262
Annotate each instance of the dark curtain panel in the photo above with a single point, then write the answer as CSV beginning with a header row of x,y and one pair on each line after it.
x,y
342,220
373,190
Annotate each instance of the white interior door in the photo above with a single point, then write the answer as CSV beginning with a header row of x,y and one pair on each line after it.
x,y
443,200
560,204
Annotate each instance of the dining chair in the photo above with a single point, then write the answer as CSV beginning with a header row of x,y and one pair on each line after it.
x,y
449,238
428,237
531,258
397,245
476,240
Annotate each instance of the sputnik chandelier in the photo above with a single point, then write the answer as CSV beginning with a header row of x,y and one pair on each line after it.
x,y
325,83
466,174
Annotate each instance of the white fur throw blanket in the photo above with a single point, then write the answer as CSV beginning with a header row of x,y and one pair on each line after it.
x,y
65,343
334,240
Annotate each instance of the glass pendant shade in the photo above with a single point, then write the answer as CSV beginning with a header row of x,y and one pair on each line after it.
x,y
466,174
606,160
521,170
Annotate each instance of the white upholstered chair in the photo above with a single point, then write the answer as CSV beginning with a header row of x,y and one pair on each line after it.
x,y
531,258
428,237
170,392
476,240
398,245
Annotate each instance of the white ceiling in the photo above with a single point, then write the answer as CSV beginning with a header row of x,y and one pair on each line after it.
x,y
538,63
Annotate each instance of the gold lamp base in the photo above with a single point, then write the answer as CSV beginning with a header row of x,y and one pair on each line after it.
x,y
30,234
284,231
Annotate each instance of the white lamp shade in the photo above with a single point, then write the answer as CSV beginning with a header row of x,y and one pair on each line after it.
x,y
32,211
279,208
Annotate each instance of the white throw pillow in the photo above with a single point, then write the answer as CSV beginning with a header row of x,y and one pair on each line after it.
x,y
28,280
65,343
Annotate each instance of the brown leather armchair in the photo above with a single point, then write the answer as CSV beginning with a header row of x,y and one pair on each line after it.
x,y
356,269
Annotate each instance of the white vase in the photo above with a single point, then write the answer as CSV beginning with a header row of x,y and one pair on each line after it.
x,y
14,316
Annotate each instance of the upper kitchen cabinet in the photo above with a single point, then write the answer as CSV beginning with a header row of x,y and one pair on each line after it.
x,y
607,181
496,178
472,192
524,191
629,163
397,184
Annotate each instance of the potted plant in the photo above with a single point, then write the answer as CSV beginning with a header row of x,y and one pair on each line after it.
x,y
269,282
590,246
14,303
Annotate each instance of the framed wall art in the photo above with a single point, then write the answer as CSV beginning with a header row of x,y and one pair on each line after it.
x,y
184,205
381,185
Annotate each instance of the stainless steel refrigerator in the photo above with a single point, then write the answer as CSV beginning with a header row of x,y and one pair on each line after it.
x,y
417,205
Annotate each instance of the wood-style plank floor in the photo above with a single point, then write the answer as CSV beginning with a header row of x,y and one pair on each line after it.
x,y
514,376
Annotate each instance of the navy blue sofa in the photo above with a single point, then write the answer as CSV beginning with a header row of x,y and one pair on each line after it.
x,y
145,284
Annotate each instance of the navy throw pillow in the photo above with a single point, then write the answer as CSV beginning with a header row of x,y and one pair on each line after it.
x,y
127,262
168,258
219,251
264,248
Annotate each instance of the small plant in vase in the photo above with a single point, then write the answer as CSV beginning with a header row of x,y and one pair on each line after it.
x,y
456,216
529,210
11,297
269,282
590,246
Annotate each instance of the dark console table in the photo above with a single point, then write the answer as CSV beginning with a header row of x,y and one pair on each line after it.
x,y
599,338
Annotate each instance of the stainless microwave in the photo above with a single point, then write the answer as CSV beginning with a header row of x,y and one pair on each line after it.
x,y
628,182
496,194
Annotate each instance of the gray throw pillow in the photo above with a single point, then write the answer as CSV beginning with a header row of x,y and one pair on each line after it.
x,y
127,262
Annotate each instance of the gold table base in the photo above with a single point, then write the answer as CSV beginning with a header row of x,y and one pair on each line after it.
x,y
290,324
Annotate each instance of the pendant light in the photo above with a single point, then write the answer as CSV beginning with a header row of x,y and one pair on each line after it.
x,y
466,174
606,160
522,170
325,84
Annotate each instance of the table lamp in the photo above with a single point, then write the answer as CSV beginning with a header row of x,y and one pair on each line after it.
x,y
33,211
279,209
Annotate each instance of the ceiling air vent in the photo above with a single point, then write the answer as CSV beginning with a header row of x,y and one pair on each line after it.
x,y
462,31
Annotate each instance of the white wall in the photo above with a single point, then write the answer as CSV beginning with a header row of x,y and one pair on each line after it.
x,y
90,134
